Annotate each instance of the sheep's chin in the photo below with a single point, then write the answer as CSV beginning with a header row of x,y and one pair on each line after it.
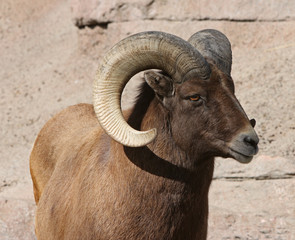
x,y
240,157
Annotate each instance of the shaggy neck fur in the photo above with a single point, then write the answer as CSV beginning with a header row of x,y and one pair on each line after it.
x,y
180,181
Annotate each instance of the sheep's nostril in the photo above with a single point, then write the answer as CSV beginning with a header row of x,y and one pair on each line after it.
x,y
245,144
251,142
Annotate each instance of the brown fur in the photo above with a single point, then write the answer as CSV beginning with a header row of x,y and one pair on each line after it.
x,y
87,186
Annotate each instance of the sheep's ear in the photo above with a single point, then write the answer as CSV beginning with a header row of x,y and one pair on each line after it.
x,y
253,122
160,83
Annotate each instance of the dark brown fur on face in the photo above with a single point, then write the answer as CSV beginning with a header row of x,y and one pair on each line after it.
x,y
208,126
87,186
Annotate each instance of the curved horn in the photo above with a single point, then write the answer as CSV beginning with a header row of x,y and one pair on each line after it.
x,y
214,45
147,50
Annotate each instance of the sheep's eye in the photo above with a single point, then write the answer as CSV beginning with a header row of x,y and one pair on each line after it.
x,y
195,98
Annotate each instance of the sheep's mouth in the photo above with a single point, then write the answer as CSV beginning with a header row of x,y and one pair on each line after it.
x,y
239,156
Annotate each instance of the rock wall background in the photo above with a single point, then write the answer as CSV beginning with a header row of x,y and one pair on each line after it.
x,y
49,53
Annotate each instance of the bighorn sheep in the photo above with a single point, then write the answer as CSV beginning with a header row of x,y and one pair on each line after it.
x,y
153,182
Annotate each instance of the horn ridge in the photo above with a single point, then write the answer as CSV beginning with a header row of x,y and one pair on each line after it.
x,y
214,45
142,51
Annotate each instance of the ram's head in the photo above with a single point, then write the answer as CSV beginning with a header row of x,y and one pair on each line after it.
x,y
194,87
